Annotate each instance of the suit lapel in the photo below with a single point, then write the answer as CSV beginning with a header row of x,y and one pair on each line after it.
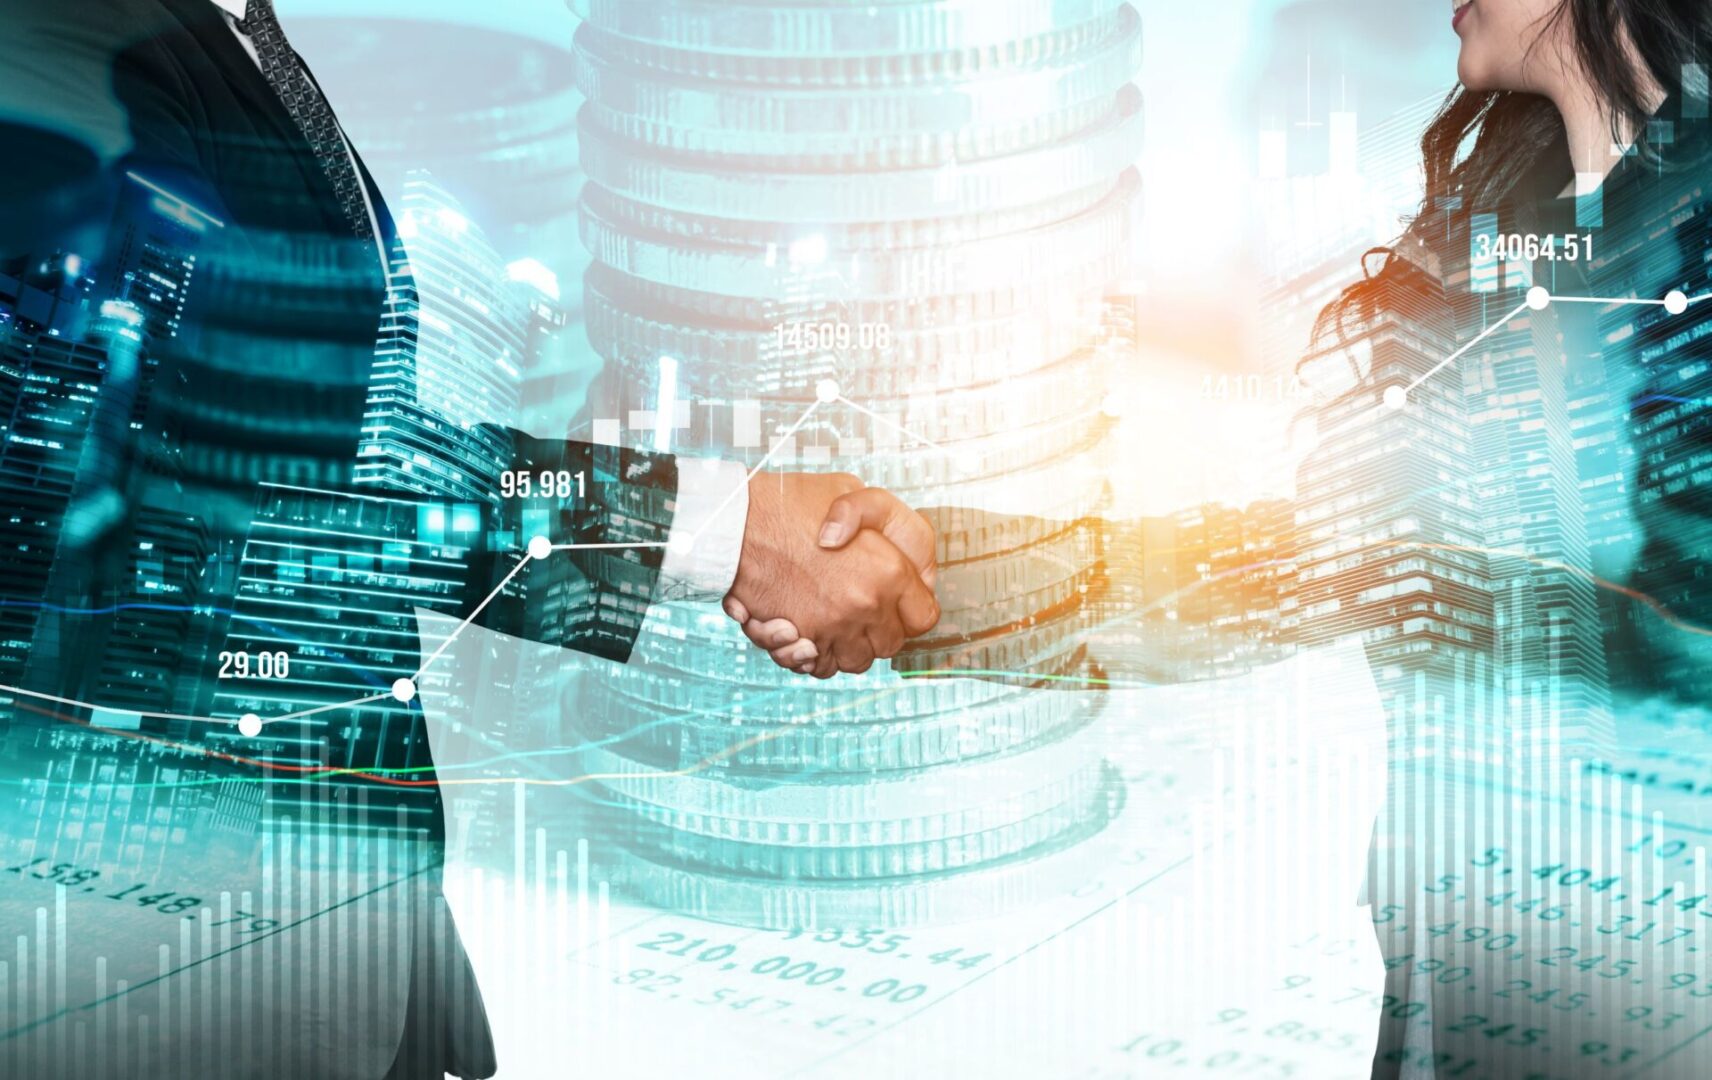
x,y
254,125
205,22
385,228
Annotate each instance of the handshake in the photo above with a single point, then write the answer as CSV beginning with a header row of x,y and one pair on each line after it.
x,y
833,575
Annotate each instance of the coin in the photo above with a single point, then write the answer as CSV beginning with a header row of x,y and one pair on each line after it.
x,y
684,182
992,889
897,106
1096,236
929,824
750,29
701,789
844,742
826,861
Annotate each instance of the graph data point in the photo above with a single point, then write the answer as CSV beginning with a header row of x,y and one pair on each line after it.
x,y
1676,301
1538,297
540,547
249,725
826,390
404,689
1395,397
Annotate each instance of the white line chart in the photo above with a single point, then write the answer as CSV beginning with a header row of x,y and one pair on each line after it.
x,y
1538,299
827,392
404,689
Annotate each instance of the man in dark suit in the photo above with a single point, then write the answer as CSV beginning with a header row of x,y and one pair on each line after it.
x,y
220,401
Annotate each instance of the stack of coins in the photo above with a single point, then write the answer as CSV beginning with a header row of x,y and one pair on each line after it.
x,y
906,216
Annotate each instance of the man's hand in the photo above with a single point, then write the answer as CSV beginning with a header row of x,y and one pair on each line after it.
x,y
833,575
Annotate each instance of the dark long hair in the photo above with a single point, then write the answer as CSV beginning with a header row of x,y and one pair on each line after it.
x,y
1511,136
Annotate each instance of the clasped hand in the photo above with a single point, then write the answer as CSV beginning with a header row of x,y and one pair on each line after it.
x,y
833,575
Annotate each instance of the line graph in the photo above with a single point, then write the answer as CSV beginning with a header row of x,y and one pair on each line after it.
x,y
399,777
1396,400
755,470
827,392
1675,302
405,689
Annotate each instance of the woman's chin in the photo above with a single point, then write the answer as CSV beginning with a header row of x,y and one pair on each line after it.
x,y
1472,74
1483,73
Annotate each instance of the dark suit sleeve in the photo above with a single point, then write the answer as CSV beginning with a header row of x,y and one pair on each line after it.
x,y
592,593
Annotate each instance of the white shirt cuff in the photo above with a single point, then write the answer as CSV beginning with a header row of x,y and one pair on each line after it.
x,y
706,538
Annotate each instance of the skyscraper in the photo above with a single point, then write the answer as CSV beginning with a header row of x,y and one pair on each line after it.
x,y
329,584
491,114
449,358
147,274
49,391
152,251
1389,530
1546,615
1659,392
331,579
1598,414
150,650
44,295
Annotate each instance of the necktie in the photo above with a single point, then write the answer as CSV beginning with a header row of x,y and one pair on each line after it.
x,y
285,72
